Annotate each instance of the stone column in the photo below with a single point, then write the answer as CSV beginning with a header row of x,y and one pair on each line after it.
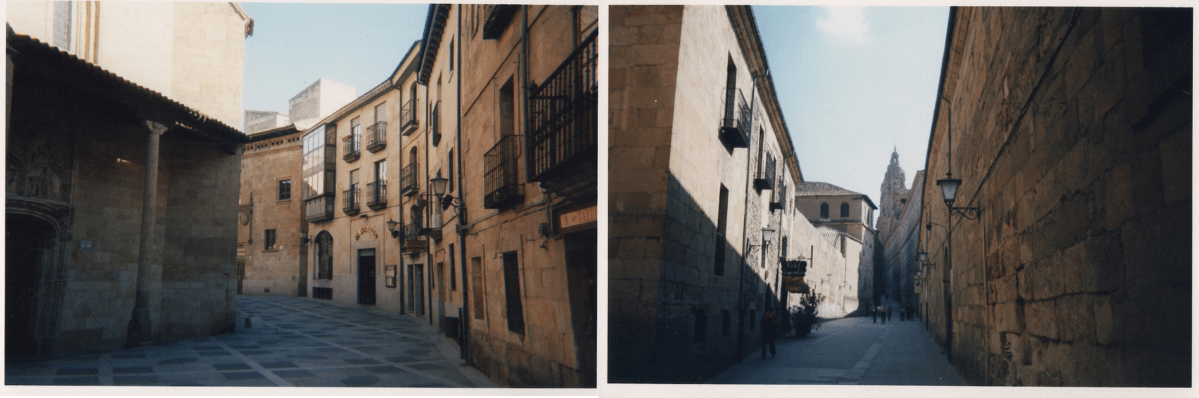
x,y
140,329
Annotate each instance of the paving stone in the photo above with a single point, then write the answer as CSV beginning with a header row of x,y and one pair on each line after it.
x,y
178,361
361,361
277,365
242,375
231,366
359,381
131,369
76,371
76,381
293,373
138,380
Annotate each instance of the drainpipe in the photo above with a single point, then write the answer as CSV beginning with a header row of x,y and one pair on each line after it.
x,y
464,317
140,328
427,219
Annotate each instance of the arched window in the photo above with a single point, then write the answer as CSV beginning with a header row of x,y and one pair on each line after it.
x,y
324,255
824,210
844,210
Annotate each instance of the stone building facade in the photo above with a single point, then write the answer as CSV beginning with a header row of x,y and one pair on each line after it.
x,y
526,156
701,169
272,254
900,265
505,259
120,210
846,221
1070,128
199,46
264,120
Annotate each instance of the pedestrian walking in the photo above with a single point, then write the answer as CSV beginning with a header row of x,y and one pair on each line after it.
x,y
882,314
873,314
888,312
769,328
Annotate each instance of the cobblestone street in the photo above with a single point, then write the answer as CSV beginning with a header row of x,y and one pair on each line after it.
x,y
851,351
291,341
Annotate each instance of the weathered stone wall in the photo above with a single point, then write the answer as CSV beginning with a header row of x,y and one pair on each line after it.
x,y
282,269
549,351
207,59
1072,131
902,245
199,257
643,67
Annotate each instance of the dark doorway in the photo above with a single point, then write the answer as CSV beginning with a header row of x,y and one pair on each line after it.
x,y
581,277
418,283
29,242
366,276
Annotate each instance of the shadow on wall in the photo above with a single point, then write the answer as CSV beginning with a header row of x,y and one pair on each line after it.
x,y
676,314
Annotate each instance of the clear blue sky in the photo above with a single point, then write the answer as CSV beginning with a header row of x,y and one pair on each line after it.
x,y
854,84
296,43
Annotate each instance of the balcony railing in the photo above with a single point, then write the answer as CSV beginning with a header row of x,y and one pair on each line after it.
x,y
562,134
765,180
497,18
500,181
319,208
408,186
376,194
411,239
408,117
351,148
737,122
780,197
376,136
349,200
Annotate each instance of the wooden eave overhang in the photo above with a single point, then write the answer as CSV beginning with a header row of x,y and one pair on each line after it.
x,y
58,69
431,40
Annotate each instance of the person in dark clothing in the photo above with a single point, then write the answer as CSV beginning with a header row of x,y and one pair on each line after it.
x,y
873,314
769,329
888,312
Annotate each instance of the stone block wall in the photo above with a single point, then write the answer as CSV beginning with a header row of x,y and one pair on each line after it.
x,y
643,70
1072,131
282,270
207,59
199,245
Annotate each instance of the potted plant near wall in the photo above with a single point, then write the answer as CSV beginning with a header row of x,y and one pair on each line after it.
x,y
803,315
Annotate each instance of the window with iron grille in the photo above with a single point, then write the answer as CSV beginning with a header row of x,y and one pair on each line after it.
x,y
512,296
435,123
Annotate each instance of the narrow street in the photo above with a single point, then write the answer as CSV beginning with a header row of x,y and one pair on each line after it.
x,y
291,341
851,351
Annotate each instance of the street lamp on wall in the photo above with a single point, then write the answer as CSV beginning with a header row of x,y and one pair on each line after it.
x,y
949,191
393,227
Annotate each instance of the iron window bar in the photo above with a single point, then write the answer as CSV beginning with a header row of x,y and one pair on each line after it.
x,y
500,174
562,132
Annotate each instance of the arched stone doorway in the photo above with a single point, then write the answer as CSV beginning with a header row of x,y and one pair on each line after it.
x,y
31,248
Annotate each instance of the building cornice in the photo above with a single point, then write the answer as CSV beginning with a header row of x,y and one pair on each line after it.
x,y
746,28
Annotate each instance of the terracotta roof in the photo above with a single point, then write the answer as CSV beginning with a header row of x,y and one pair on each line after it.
x,y
821,189
43,55
826,189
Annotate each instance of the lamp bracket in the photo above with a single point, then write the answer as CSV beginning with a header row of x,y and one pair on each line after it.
x,y
970,213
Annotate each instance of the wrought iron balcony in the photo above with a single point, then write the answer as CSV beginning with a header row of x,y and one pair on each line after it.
x,y
319,208
351,147
497,18
562,133
411,239
408,185
780,198
349,200
765,180
376,136
500,182
376,194
737,123
408,122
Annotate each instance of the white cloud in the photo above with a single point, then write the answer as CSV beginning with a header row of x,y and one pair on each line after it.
x,y
844,25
